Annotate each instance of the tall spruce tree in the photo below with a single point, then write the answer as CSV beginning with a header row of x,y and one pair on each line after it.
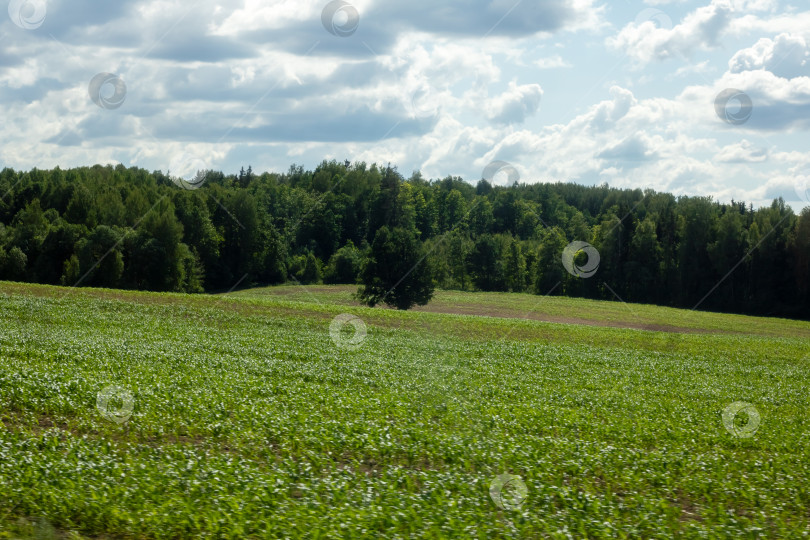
x,y
395,272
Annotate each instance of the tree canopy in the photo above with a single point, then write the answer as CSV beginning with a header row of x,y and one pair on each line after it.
x,y
342,222
395,271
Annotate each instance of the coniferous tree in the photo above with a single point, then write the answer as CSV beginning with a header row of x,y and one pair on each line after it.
x,y
395,272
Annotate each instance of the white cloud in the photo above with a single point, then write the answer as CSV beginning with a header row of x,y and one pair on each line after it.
x,y
552,62
606,114
741,152
792,23
515,105
701,68
787,56
258,14
635,148
778,104
644,41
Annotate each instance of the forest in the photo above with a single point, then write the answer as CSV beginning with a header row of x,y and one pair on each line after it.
x,y
118,227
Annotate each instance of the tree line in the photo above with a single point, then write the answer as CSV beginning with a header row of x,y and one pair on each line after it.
x,y
119,227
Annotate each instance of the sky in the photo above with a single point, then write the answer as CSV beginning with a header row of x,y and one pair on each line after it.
x,y
707,97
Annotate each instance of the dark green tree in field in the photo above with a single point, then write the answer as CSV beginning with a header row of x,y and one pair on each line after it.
x,y
395,271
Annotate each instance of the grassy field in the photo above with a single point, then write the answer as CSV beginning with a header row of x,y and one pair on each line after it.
x,y
254,414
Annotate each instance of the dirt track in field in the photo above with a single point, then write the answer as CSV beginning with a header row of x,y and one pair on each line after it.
x,y
543,317
437,306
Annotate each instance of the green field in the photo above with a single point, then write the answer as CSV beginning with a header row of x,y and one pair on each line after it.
x,y
250,420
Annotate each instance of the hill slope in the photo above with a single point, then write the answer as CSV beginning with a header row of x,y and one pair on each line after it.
x,y
249,418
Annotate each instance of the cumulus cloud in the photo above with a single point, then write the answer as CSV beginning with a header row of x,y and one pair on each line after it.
x,y
786,56
516,104
607,113
632,149
645,41
741,152
777,104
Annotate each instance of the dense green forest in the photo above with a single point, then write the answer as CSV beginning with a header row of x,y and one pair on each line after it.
x,y
121,227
